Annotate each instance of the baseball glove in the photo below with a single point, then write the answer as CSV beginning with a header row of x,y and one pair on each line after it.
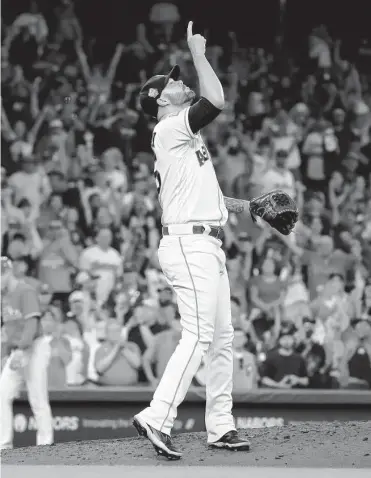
x,y
277,209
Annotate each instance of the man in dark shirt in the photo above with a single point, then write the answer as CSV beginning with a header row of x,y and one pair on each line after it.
x,y
284,368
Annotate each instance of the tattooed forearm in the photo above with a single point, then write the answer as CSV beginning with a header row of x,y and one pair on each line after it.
x,y
236,205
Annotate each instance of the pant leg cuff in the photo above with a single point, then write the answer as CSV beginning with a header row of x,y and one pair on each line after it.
x,y
156,424
217,435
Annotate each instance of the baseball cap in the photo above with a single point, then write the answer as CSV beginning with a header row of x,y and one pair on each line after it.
x,y
152,90
332,274
287,329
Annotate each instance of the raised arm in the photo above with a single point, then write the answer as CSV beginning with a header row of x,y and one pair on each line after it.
x,y
211,102
34,98
6,129
32,135
210,86
111,72
83,61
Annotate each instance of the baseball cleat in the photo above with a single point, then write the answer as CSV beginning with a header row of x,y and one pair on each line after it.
x,y
161,442
231,441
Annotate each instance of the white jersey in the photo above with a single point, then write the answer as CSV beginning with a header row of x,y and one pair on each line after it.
x,y
187,185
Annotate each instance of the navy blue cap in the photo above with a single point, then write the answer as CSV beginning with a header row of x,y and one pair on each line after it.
x,y
152,90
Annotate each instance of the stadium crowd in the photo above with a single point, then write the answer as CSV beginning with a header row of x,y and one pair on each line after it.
x,y
81,221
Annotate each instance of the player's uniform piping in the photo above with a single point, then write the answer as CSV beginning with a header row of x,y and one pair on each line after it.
x,y
198,331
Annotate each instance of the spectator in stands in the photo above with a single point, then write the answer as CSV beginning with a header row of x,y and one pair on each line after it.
x,y
284,368
74,229
31,25
245,372
319,148
58,261
358,355
267,291
117,360
115,170
76,371
238,318
157,355
30,183
234,151
103,260
22,244
279,176
68,28
76,302
45,297
317,373
296,301
56,348
87,284
314,354
333,298
143,326
240,256
21,266
323,260
285,135
53,210
165,297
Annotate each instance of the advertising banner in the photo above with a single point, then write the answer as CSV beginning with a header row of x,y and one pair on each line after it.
x,y
75,421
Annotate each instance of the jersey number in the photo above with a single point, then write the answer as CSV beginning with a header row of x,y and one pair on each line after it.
x,y
202,155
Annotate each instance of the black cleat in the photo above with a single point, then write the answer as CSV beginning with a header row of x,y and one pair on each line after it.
x,y
231,441
160,441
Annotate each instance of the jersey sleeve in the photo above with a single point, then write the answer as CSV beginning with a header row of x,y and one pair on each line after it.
x,y
30,307
201,114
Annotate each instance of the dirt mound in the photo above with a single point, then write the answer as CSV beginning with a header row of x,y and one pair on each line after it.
x,y
300,445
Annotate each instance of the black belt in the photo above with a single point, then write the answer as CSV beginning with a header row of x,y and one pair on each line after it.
x,y
215,231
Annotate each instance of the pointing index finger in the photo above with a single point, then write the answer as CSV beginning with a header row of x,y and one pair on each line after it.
x,y
189,29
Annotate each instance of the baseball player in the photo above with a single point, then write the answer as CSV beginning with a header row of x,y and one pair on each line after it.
x,y
194,212
20,322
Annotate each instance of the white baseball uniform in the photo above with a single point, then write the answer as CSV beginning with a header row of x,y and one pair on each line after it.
x,y
18,306
194,265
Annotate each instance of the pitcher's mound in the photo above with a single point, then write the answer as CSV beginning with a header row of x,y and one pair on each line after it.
x,y
302,445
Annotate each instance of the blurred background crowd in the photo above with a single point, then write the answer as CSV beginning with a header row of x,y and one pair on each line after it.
x,y
79,212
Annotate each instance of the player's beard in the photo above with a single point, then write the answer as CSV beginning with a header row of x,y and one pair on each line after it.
x,y
182,97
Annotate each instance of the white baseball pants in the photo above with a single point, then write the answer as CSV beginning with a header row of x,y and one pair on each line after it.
x,y
35,375
194,265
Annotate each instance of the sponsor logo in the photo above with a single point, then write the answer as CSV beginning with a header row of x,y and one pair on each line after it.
x,y
116,423
153,92
111,423
21,423
259,422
